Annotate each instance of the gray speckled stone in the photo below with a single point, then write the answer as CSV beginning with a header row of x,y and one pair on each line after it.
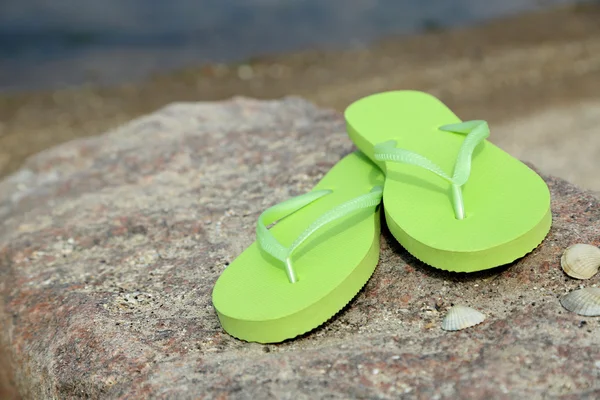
x,y
110,246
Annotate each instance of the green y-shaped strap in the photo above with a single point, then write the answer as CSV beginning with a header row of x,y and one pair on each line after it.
x,y
272,246
476,132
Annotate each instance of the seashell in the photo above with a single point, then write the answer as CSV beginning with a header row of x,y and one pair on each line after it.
x,y
583,301
581,261
461,317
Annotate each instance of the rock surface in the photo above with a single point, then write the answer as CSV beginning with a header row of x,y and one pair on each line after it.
x,y
109,248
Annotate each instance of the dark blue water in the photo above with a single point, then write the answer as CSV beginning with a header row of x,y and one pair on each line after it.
x,y
49,44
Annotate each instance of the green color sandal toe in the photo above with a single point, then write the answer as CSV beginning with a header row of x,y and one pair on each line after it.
x,y
452,199
309,265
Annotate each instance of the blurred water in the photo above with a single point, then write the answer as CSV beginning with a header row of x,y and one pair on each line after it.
x,y
49,44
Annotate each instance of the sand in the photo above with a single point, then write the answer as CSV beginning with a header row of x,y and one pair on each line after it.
x,y
534,77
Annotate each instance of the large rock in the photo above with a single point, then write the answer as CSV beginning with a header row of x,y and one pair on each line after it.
x,y
110,246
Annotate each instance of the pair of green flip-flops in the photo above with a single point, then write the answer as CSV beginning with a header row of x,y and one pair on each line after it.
x,y
452,199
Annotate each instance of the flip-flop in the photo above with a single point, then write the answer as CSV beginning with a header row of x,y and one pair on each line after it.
x,y
308,266
452,199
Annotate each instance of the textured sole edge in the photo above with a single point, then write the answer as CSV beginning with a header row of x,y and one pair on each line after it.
x,y
473,261
308,330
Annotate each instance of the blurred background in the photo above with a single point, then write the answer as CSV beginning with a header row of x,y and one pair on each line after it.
x,y
54,44
73,68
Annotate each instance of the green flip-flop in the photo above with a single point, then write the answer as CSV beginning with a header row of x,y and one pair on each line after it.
x,y
452,199
308,266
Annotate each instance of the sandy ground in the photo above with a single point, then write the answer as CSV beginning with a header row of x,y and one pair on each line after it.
x,y
535,78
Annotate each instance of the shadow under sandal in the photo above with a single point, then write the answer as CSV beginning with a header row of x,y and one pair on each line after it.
x,y
308,266
451,198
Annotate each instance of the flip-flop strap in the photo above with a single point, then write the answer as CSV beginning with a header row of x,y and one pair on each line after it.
x,y
277,212
476,132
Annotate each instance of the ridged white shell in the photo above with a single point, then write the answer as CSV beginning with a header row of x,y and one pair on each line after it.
x,y
581,261
461,317
583,301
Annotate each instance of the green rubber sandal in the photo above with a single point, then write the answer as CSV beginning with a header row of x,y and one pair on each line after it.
x,y
490,211
308,266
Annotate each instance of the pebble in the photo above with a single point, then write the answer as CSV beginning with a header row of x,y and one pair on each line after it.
x,y
245,72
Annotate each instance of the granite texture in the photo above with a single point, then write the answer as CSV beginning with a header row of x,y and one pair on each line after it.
x,y
109,248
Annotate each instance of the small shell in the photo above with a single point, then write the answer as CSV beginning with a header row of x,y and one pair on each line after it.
x,y
461,317
583,301
581,261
